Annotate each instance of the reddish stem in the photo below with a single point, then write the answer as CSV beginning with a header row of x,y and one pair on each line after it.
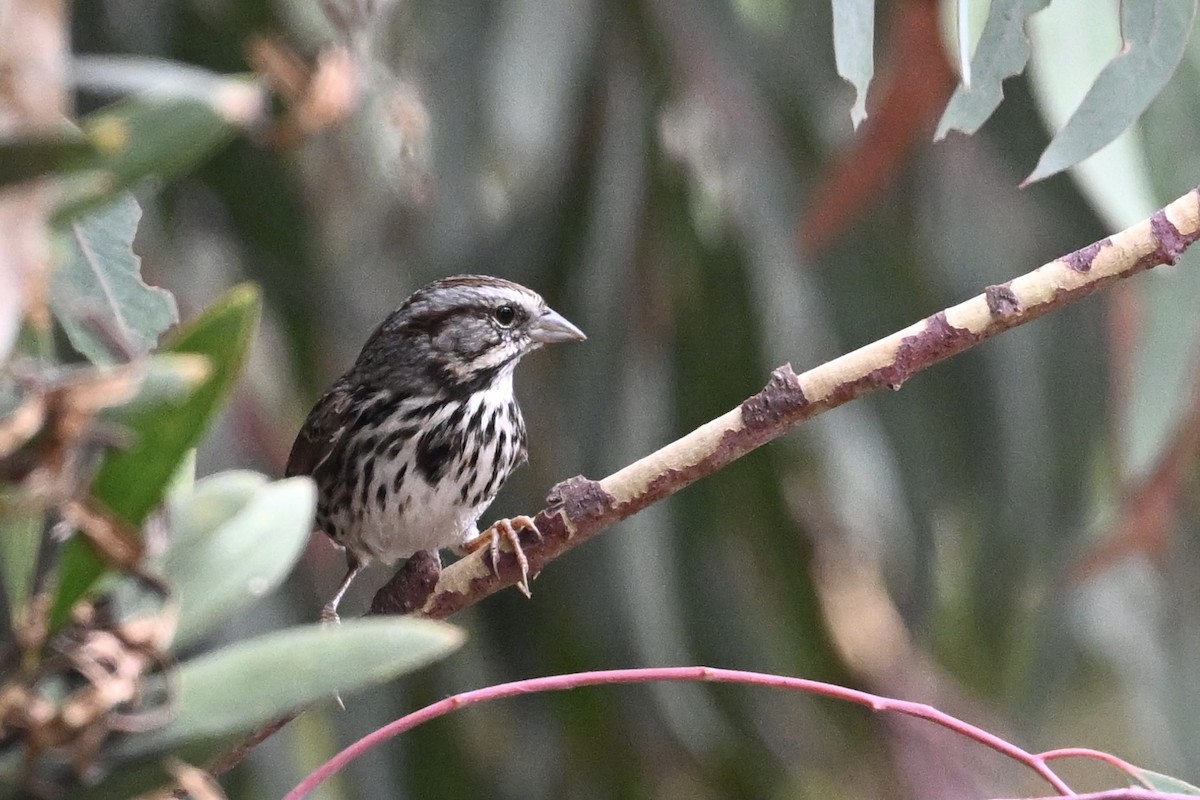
x,y
1099,755
1128,793
1037,763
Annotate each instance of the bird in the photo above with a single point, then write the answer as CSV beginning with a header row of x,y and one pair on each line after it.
x,y
411,444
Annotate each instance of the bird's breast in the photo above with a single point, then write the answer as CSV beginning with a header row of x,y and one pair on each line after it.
x,y
430,471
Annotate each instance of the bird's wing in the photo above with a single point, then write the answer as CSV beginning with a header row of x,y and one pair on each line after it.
x,y
324,428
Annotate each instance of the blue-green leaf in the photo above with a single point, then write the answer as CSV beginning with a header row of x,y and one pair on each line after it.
x,y
97,292
139,137
132,481
1002,52
854,49
1156,33
245,684
1165,783
221,562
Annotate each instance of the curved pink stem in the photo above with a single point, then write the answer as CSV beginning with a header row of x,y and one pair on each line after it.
x,y
1099,755
574,680
1128,793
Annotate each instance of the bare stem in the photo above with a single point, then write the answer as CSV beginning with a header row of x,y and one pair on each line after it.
x,y
1130,793
1037,763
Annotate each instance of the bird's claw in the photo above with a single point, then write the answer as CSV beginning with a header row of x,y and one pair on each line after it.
x,y
509,530
329,616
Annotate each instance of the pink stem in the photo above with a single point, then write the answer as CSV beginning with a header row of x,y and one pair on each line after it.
x,y
560,682
1128,793
1099,755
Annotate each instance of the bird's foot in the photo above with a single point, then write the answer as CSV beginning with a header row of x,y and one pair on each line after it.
x,y
329,616
354,565
510,531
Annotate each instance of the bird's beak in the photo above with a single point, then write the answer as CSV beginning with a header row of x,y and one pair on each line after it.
x,y
553,327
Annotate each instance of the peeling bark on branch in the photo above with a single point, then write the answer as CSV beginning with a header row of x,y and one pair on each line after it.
x,y
579,508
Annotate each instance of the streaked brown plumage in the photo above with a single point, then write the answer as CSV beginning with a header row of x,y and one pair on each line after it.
x,y
412,443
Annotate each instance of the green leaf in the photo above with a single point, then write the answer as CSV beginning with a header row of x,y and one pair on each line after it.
x,y
1116,180
25,158
1002,52
1165,783
214,501
183,482
1155,33
248,683
131,482
20,541
1164,349
165,379
854,49
141,776
144,136
97,292
218,569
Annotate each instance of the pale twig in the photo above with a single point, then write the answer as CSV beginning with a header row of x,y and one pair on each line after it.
x,y
579,508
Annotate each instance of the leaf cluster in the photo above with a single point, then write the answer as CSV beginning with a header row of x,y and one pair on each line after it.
x,y
118,565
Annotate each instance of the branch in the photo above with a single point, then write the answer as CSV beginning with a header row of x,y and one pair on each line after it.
x,y
577,509
1131,793
1035,762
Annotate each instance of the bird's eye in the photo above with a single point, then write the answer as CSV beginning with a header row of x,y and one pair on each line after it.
x,y
505,316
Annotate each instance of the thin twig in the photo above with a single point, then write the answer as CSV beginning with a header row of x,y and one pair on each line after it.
x,y
1130,793
1035,762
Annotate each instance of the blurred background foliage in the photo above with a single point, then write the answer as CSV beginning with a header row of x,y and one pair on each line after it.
x,y
1011,538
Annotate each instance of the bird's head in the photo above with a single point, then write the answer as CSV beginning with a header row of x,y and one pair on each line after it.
x,y
467,331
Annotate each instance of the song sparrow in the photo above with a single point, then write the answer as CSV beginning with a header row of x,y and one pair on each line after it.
x,y
412,443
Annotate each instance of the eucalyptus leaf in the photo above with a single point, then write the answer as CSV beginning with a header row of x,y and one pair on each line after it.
x,y
138,777
183,482
246,684
28,157
166,379
1164,350
854,49
132,482
237,98
143,136
1155,36
212,502
20,542
1116,180
1002,52
1165,783
226,568
97,292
